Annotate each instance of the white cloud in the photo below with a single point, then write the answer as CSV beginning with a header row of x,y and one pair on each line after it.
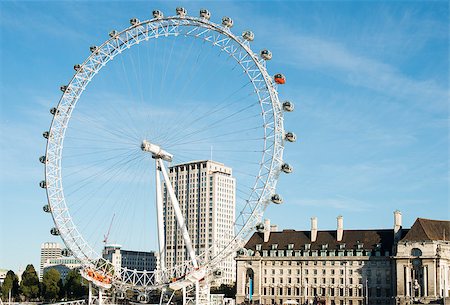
x,y
358,70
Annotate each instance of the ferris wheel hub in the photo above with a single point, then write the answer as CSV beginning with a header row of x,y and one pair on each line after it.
x,y
156,151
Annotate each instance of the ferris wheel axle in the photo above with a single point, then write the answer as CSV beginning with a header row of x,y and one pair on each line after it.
x,y
156,151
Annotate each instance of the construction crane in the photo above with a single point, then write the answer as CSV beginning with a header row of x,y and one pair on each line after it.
x,y
105,237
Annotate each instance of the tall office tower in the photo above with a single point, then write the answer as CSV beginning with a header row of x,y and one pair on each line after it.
x,y
48,251
206,194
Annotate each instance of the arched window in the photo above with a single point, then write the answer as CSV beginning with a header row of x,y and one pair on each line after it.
x,y
416,252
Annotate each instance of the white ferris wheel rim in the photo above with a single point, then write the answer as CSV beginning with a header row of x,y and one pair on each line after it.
x,y
272,155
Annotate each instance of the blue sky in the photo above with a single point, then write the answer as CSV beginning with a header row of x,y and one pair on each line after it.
x,y
370,81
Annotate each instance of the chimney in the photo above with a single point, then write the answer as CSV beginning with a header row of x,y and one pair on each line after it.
x,y
266,230
397,225
313,229
340,227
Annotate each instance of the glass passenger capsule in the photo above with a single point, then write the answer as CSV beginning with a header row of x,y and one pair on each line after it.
x,y
54,231
266,54
46,208
205,14
54,111
279,79
288,106
43,184
181,11
134,21
157,14
45,134
290,136
287,168
42,159
93,49
227,22
66,252
77,67
113,33
260,227
248,35
277,199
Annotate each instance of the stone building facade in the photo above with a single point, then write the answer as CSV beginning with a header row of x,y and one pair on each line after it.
x,y
351,267
422,263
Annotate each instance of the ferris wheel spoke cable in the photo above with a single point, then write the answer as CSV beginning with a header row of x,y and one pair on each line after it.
x,y
205,128
215,108
137,69
186,126
113,117
125,75
83,201
96,140
92,151
181,68
211,111
94,164
199,88
116,133
153,64
223,141
110,200
219,106
191,73
86,119
217,125
225,150
99,207
100,174
165,69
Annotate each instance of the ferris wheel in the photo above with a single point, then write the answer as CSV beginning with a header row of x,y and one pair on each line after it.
x,y
201,93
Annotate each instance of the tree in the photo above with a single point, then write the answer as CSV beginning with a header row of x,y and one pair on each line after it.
x,y
11,283
73,285
29,286
62,290
50,287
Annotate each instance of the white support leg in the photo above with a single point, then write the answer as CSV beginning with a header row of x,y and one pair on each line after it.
x,y
160,219
170,299
184,295
197,292
178,214
100,296
162,296
90,294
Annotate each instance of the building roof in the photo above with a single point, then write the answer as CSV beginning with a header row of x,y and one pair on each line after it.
x,y
195,162
351,238
428,230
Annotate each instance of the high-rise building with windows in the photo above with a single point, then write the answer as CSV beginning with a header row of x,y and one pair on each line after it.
x,y
48,251
206,194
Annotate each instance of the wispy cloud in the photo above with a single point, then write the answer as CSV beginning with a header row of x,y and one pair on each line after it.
x,y
358,70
